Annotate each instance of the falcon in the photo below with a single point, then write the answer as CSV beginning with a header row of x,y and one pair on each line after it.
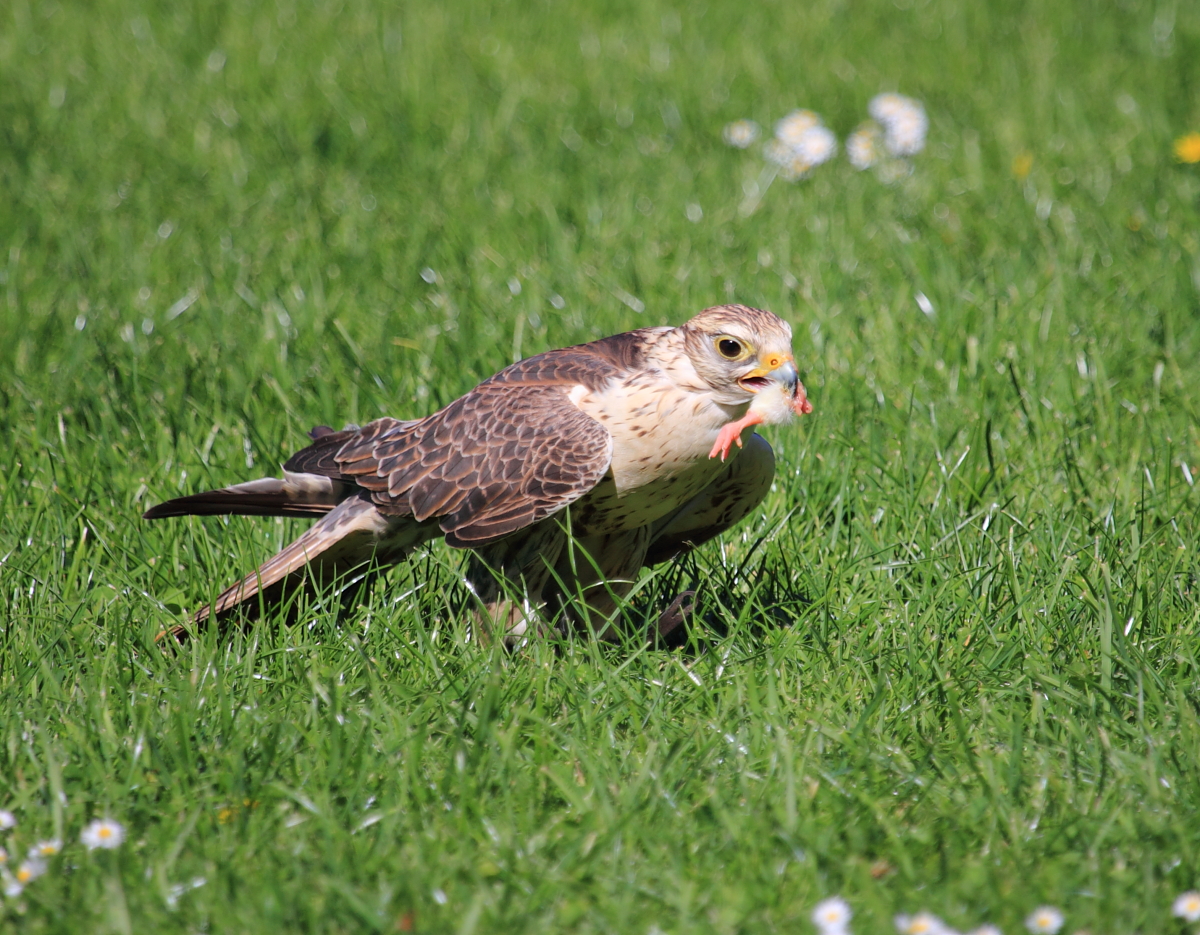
x,y
562,475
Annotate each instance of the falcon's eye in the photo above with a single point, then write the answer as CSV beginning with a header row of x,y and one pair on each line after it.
x,y
729,348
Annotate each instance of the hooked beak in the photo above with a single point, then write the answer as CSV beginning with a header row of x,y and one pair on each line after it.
x,y
786,376
783,375
778,369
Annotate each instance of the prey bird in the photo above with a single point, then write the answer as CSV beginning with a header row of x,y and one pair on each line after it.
x,y
563,475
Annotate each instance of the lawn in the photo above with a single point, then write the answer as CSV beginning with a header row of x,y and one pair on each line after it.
x,y
952,664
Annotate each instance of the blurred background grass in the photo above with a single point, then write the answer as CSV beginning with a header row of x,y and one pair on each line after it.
x,y
223,223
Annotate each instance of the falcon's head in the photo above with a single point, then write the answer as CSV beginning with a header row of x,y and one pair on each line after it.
x,y
745,355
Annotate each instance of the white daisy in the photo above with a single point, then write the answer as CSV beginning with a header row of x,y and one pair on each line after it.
x,y
47,848
906,134
832,915
104,833
741,133
923,923
12,889
1044,919
816,145
904,122
7,820
793,127
987,929
863,146
885,107
30,869
1187,906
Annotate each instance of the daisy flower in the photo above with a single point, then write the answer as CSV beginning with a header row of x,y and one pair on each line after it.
x,y
7,820
904,122
1187,148
816,145
987,929
832,915
47,848
1187,906
885,107
12,889
104,833
1044,919
740,133
923,923
863,146
906,136
801,142
30,869
791,129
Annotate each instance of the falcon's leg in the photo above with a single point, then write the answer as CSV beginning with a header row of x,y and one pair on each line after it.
x,y
513,579
601,570
725,502
508,578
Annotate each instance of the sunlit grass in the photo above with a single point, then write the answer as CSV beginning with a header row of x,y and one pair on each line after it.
x,y
950,666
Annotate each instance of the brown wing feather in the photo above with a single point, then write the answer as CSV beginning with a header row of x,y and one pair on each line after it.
x,y
506,455
501,458
321,456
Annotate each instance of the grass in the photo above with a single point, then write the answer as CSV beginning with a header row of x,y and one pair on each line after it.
x,y
223,223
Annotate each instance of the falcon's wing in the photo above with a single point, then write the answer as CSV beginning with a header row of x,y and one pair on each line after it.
x,y
508,454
